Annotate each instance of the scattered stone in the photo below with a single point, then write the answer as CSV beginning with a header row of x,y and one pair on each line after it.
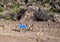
x,y
57,18
35,8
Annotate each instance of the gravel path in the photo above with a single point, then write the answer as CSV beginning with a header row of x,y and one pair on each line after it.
x,y
35,32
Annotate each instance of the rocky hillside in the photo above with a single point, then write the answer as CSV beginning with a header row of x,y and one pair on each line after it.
x,y
9,9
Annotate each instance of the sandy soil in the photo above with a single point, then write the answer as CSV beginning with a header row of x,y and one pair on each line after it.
x,y
35,32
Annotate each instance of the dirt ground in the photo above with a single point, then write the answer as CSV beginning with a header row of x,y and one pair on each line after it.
x,y
35,31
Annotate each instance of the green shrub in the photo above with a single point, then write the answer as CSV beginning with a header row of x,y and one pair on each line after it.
x,y
8,18
1,15
54,10
33,0
46,1
14,5
1,9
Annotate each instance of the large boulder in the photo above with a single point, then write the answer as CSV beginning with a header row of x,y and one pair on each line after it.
x,y
34,14
43,16
26,13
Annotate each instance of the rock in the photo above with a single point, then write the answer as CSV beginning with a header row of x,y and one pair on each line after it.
x,y
9,4
42,15
21,3
57,18
35,8
34,13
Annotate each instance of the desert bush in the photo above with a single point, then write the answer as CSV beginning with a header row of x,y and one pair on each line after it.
x,y
45,1
14,5
54,10
2,16
10,16
1,9
55,6
33,0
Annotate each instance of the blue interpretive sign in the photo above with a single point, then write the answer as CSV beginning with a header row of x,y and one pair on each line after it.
x,y
22,26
